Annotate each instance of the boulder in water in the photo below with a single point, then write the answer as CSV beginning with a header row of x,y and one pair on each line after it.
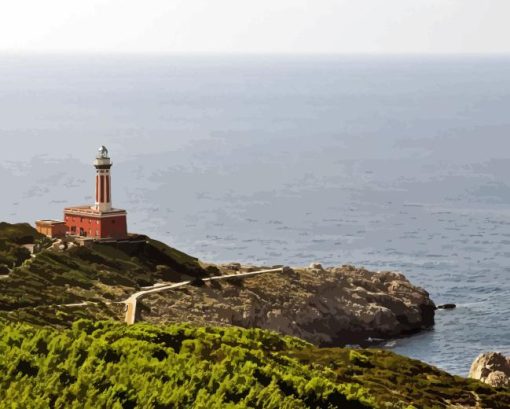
x,y
446,307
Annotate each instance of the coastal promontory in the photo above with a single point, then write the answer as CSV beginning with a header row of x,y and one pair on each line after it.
x,y
325,306
335,306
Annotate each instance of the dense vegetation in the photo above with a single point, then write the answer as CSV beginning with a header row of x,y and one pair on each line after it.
x,y
109,365
101,273
68,362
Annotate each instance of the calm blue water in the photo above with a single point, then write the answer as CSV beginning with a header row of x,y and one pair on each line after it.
x,y
400,163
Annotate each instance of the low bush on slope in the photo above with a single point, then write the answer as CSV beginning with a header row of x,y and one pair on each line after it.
x,y
110,365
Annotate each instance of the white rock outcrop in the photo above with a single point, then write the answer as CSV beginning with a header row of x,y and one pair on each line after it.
x,y
492,368
326,306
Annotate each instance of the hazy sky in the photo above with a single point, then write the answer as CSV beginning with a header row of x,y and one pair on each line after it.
x,y
260,26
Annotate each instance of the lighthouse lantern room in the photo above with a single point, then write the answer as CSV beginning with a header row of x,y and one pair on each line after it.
x,y
100,221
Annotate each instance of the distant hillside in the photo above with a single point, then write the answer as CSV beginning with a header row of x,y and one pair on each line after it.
x,y
107,364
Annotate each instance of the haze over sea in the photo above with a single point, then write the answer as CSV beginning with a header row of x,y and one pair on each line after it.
x,y
392,163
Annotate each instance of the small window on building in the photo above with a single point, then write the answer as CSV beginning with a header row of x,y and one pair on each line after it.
x,y
113,221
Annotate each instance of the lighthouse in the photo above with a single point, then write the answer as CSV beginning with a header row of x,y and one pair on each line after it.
x,y
100,221
103,165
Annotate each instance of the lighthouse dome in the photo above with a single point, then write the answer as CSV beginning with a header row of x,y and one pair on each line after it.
x,y
102,152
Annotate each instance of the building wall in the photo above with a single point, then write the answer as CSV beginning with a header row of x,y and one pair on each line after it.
x,y
58,230
52,230
46,230
100,228
115,227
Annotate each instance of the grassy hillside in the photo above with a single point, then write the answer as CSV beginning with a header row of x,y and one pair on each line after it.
x,y
12,239
110,365
36,287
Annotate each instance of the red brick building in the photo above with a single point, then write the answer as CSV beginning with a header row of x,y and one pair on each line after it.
x,y
100,221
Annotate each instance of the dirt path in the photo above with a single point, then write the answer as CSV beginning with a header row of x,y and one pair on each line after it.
x,y
132,300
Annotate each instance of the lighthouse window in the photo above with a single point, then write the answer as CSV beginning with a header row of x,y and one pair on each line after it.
x,y
113,221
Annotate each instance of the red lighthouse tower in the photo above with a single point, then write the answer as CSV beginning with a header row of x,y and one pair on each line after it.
x,y
100,221
103,164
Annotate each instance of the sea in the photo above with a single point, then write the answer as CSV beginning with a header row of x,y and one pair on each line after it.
x,y
387,162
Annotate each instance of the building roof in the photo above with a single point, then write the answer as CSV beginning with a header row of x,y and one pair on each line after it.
x,y
49,222
92,211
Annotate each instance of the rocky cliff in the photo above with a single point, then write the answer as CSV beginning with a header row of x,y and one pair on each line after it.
x,y
333,306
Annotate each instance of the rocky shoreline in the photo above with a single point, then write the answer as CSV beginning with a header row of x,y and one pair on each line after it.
x,y
325,306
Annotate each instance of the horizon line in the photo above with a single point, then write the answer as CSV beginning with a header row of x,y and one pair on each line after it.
x,y
253,53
